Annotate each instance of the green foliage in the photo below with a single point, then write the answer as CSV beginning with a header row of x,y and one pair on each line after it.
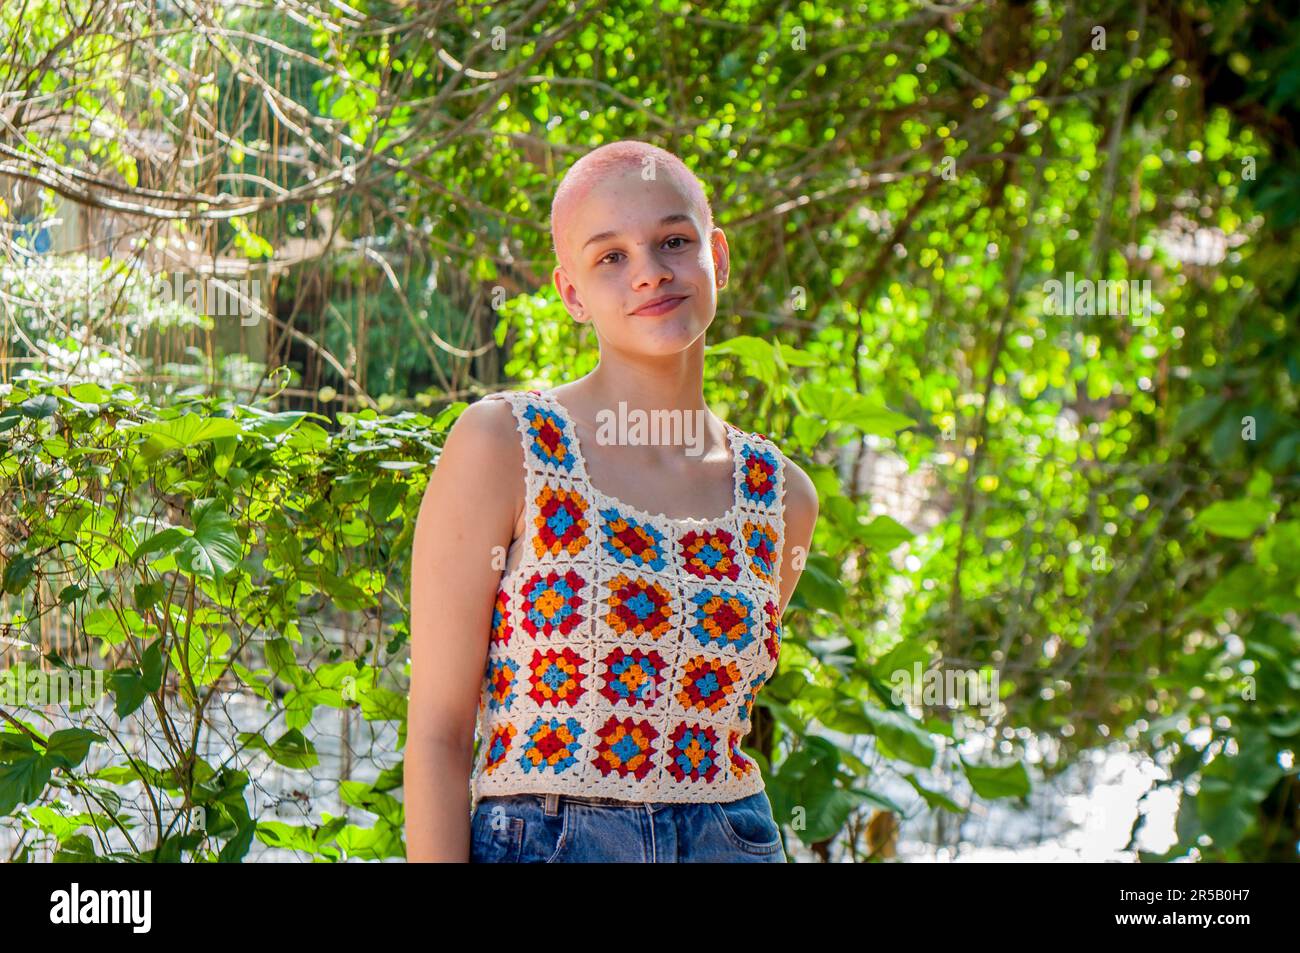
x,y
197,547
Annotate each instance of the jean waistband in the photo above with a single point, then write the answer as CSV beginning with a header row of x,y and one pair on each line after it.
x,y
552,801
592,799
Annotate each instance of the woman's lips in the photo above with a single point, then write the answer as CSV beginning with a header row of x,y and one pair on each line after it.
x,y
663,307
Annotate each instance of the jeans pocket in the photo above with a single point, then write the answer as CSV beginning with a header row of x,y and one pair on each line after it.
x,y
517,827
496,835
749,824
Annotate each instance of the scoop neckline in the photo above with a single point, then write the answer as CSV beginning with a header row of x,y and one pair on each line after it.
x,y
733,438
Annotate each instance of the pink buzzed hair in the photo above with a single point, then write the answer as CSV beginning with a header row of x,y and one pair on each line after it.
x,y
616,156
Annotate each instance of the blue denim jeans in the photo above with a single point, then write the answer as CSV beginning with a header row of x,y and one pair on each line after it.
x,y
562,828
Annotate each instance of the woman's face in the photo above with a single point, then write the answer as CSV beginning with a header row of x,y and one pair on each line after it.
x,y
631,243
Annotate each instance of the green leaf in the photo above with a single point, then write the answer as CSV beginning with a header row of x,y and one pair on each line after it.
x,y
214,549
68,747
152,666
146,595
76,849
131,686
843,407
901,734
884,533
22,781
1236,519
1233,785
39,407
794,357
18,573
273,425
819,586
89,393
111,626
236,848
809,430
1238,589
1197,414
282,662
385,498
362,795
128,691
208,646
933,798
756,355
165,541
292,749
382,704
993,782
189,430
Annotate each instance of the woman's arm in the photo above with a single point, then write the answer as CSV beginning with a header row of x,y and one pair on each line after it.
x,y
801,509
465,525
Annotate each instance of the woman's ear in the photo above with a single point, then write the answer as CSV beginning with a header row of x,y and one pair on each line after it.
x,y
569,294
721,256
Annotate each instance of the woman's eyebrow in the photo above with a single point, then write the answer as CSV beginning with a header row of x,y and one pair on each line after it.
x,y
666,220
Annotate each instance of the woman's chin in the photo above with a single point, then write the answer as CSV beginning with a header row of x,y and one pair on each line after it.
x,y
665,339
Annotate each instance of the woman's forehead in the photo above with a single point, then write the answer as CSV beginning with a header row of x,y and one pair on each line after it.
x,y
626,199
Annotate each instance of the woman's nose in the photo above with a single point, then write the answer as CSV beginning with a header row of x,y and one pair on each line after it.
x,y
649,269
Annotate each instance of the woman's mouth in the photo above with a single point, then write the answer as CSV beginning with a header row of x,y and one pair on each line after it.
x,y
660,306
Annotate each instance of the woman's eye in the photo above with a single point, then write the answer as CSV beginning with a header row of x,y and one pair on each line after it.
x,y
681,239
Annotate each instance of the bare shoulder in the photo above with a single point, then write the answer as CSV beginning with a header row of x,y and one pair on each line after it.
x,y
485,425
801,504
484,439
480,460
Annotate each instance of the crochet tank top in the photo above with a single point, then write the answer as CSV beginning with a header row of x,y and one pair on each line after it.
x,y
627,648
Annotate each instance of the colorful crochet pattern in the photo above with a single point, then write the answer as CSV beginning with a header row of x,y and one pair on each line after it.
x,y
627,648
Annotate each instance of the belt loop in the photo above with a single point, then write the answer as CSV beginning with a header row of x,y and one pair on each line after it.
x,y
552,804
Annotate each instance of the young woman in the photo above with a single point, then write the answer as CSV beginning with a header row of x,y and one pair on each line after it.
x,y
600,610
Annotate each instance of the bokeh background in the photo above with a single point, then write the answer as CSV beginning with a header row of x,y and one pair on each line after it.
x,y
1015,282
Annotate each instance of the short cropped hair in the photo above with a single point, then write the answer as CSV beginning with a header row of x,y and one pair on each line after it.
x,y
615,156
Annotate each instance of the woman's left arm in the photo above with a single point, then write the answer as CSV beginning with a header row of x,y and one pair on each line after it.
x,y
800,519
